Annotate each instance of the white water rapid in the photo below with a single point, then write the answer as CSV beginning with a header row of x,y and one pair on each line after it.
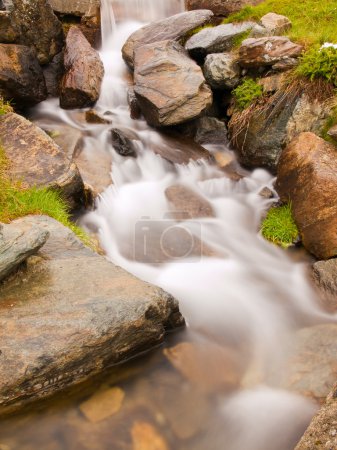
x,y
245,295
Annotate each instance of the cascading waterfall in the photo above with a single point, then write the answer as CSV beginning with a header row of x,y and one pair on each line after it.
x,y
244,294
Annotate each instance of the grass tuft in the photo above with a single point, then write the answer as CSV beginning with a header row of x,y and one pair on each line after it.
x,y
246,93
279,226
5,107
319,63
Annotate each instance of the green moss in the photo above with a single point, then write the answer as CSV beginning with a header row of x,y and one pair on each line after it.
x,y
237,41
279,226
319,63
17,202
5,107
331,121
314,21
246,93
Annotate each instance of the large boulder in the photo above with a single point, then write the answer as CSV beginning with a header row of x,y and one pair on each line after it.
x,y
21,77
174,95
37,26
322,433
222,71
325,276
35,160
307,176
172,28
216,39
260,137
71,314
220,7
74,7
81,83
267,51
17,243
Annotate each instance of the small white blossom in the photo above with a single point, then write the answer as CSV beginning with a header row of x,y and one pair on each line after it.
x,y
328,45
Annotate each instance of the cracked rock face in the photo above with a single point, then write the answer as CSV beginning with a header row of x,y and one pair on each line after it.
x,y
69,315
169,86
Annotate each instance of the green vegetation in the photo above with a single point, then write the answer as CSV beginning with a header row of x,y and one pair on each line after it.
x,y
246,93
314,21
16,202
279,226
237,41
5,107
319,63
332,121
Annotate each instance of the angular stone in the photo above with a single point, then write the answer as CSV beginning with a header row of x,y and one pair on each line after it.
x,y
172,28
38,26
81,84
146,437
122,141
211,130
325,277
17,243
21,77
285,64
75,315
103,404
222,71
275,23
74,7
220,7
53,73
267,51
272,83
322,431
216,40
35,160
307,176
91,116
135,111
174,95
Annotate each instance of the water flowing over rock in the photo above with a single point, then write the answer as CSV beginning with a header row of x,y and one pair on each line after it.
x,y
307,176
80,314
81,84
21,77
220,7
36,160
37,26
216,40
174,95
122,141
325,276
267,51
17,243
172,28
222,71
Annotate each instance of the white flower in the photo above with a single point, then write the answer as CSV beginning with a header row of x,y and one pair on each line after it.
x,y
328,45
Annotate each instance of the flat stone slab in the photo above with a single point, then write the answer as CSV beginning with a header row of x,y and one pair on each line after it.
x,y
69,315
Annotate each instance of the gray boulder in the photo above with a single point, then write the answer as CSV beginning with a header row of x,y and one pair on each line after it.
x,y
222,71
210,130
216,39
17,243
74,315
174,95
172,28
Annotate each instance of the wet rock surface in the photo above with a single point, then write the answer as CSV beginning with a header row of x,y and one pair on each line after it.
x,y
35,160
17,243
172,28
307,177
21,77
74,315
191,203
122,141
267,51
175,95
325,277
81,84
216,40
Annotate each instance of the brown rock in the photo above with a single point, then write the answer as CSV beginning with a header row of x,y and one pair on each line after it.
x,y
332,132
72,315
174,95
81,84
21,77
146,437
275,23
172,28
53,73
210,367
8,34
123,141
325,276
307,176
103,404
74,7
267,51
185,200
35,160
220,7
92,116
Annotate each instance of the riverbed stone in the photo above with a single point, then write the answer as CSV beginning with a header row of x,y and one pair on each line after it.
x,y
17,243
267,51
184,199
21,77
216,39
307,176
71,315
123,141
325,276
35,159
81,83
172,28
222,71
174,95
